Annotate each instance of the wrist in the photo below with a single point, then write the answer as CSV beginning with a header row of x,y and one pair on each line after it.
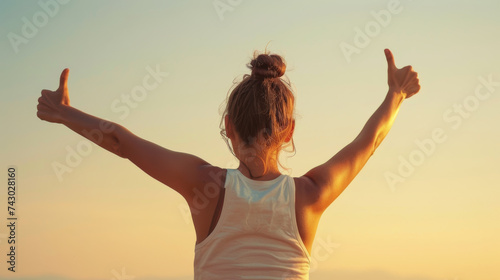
x,y
396,94
64,112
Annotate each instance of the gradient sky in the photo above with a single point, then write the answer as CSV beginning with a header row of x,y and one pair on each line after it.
x,y
440,221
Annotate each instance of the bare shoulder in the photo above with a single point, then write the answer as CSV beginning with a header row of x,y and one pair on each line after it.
x,y
307,192
206,191
211,177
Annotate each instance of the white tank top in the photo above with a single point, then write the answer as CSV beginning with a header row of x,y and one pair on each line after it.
x,y
256,236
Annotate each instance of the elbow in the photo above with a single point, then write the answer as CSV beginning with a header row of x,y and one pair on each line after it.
x,y
375,145
116,141
116,148
377,140
369,143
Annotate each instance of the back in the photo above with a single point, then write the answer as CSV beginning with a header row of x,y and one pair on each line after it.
x,y
256,236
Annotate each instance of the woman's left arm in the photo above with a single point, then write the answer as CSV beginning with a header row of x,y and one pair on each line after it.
x,y
331,178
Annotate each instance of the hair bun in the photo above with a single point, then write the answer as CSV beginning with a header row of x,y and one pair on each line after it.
x,y
267,66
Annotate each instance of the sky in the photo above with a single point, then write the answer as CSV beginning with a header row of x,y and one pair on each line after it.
x,y
425,207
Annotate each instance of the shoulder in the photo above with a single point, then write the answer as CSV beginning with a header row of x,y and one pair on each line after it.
x,y
210,181
210,174
309,194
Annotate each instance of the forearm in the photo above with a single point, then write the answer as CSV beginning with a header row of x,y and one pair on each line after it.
x,y
379,124
332,177
103,133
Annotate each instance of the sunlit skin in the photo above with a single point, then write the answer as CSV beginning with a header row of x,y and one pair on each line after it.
x,y
189,175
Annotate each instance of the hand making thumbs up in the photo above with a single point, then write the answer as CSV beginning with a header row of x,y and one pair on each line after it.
x,y
51,103
404,80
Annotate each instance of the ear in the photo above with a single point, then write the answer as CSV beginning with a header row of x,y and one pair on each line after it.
x,y
290,135
229,127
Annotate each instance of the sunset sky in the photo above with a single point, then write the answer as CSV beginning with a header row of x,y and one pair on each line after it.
x,y
425,207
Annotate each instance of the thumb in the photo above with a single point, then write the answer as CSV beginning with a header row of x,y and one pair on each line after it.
x,y
390,59
63,81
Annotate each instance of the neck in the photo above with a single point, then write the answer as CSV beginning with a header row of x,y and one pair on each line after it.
x,y
259,172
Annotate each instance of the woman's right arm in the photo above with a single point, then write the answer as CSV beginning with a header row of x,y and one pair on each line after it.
x,y
180,171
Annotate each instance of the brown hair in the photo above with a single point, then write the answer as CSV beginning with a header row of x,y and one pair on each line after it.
x,y
261,108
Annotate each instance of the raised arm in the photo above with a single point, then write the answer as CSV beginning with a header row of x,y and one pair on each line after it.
x,y
182,172
331,178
